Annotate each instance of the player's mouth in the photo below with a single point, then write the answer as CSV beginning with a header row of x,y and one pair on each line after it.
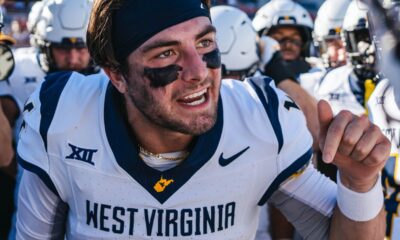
x,y
195,99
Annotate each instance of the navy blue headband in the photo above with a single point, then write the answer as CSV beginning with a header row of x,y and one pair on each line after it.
x,y
138,20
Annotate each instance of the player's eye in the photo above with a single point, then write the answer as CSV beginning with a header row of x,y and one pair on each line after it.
x,y
166,54
205,43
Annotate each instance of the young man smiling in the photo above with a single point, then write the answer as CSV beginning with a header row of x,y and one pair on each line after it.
x,y
162,149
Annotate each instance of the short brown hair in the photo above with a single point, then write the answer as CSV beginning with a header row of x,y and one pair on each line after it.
x,y
99,33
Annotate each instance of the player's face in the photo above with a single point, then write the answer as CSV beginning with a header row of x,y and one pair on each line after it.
x,y
174,78
75,59
336,52
290,41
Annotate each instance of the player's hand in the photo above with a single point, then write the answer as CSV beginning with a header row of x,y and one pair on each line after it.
x,y
6,150
355,145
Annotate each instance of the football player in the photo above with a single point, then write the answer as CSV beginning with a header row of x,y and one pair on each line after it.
x,y
58,44
7,170
291,25
349,87
382,106
162,148
327,37
243,54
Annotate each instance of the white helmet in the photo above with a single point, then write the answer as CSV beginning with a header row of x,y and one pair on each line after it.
x,y
34,15
284,13
359,46
33,18
236,38
356,16
328,26
63,22
281,13
60,23
329,20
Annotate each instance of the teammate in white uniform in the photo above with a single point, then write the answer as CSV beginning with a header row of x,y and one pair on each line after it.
x,y
383,105
327,29
7,170
58,44
241,50
291,25
97,148
245,54
26,76
384,112
346,87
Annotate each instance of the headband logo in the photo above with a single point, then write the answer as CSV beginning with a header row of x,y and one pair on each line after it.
x,y
202,6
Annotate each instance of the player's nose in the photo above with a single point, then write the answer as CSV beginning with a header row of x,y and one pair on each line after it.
x,y
194,67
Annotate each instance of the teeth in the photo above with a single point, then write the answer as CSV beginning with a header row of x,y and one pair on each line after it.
x,y
198,102
194,95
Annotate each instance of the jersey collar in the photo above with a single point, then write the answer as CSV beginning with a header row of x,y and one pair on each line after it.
x,y
124,148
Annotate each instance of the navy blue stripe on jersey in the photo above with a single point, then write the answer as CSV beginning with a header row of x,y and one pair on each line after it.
x,y
160,184
270,101
294,168
49,95
39,172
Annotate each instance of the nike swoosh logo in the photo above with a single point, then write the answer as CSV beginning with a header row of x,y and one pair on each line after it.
x,y
225,161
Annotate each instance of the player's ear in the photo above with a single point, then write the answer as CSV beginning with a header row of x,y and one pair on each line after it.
x,y
117,79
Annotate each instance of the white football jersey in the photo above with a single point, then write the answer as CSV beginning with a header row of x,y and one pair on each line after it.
x,y
384,112
310,80
74,137
335,88
26,77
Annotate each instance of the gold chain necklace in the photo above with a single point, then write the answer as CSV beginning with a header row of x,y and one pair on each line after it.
x,y
160,156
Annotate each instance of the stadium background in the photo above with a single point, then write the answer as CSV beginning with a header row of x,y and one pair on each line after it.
x,y
16,14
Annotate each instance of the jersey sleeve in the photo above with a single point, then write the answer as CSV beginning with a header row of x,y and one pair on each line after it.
x,y
307,200
289,126
305,197
41,214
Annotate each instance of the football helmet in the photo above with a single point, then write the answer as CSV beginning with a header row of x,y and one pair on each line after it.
x,y
359,46
33,18
59,23
278,13
384,22
236,39
328,26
